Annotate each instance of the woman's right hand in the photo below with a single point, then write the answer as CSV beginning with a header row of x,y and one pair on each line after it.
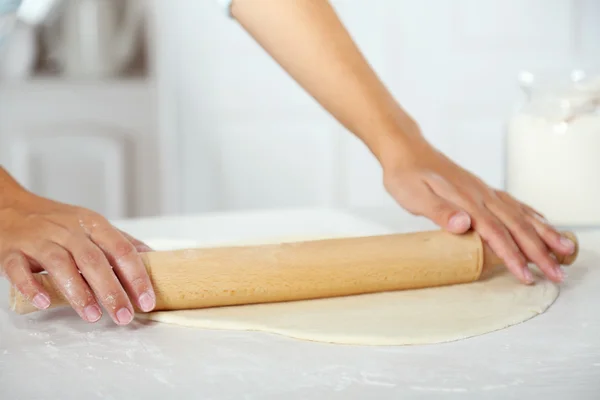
x,y
426,182
91,262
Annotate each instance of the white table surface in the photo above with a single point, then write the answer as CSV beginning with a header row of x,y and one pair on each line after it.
x,y
55,355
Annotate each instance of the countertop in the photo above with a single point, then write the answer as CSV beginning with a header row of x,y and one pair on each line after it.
x,y
55,355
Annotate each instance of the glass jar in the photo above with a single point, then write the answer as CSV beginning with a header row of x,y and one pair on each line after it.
x,y
553,148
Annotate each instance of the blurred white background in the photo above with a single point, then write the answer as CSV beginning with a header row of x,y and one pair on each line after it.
x,y
203,120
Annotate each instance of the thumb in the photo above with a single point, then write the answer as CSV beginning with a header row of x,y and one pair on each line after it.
x,y
459,222
419,199
445,214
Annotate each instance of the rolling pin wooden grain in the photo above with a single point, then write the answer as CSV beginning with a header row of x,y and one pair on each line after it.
x,y
225,276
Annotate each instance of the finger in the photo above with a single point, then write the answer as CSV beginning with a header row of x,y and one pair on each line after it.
x,y
140,246
94,266
18,271
492,231
526,237
557,242
63,271
127,264
502,243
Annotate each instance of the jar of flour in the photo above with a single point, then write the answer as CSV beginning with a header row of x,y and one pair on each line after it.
x,y
553,148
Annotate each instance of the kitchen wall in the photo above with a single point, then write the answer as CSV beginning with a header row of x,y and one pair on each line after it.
x,y
248,137
213,123
78,105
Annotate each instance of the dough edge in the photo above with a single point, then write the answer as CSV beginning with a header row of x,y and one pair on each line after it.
x,y
547,292
190,318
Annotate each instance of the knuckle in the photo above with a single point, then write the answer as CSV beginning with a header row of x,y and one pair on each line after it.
x,y
515,257
515,261
139,283
540,251
523,227
124,249
26,288
57,259
495,230
91,258
73,238
10,263
90,220
74,290
519,256
113,299
99,221
55,231
82,297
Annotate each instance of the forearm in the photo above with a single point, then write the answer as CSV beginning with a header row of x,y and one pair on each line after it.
x,y
308,40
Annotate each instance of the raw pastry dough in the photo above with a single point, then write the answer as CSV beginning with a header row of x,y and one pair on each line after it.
x,y
424,316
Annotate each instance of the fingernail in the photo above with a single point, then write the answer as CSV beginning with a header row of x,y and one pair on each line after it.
x,y
92,313
460,221
124,316
527,275
41,301
567,244
147,301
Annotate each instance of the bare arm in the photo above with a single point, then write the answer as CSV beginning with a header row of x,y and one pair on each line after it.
x,y
308,40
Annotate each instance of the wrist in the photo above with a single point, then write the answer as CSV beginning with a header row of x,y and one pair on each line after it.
x,y
400,145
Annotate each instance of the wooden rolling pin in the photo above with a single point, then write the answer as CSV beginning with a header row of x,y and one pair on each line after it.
x,y
225,276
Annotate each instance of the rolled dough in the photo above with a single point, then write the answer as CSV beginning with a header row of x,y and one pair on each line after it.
x,y
425,316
